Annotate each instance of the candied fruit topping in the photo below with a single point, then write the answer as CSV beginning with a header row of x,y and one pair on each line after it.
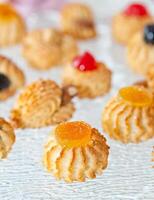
x,y
6,12
73,134
85,62
149,34
136,96
4,82
136,10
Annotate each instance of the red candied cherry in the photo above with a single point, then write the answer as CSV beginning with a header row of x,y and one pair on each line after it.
x,y
85,62
136,10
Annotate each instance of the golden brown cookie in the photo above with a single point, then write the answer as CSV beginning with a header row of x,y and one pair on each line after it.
x,y
7,138
129,116
77,20
42,103
90,78
11,78
75,151
140,50
129,21
48,47
12,26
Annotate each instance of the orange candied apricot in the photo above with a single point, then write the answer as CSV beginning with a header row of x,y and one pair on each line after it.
x,y
73,134
136,96
7,12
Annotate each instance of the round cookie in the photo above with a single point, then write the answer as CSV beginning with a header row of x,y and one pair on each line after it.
x,y
41,104
12,26
140,50
129,21
77,20
128,117
11,78
46,48
7,138
89,77
75,151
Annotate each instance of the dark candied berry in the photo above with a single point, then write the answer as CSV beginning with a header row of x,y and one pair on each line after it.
x,y
4,82
149,34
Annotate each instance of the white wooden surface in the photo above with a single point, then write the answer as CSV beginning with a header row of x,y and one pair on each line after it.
x,y
129,175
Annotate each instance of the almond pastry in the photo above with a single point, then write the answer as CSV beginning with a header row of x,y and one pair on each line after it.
x,y
11,78
90,78
129,116
41,104
78,20
75,151
140,50
129,21
12,26
48,47
7,138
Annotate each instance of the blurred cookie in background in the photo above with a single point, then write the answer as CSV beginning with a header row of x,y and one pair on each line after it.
x,y
77,20
48,47
129,21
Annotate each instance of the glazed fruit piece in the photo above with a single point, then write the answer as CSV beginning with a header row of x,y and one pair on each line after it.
x,y
89,77
129,116
77,20
130,21
42,103
140,50
12,26
7,138
75,151
11,78
136,10
46,48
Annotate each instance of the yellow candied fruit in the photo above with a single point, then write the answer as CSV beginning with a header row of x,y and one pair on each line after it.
x,y
136,96
6,12
73,134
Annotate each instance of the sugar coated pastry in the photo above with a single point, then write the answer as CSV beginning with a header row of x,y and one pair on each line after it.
x,y
41,104
11,78
129,21
75,151
89,77
12,26
140,50
77,20
129,116
48,47
7,138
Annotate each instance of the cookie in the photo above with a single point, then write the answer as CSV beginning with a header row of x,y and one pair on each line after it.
x,y
7,138
41,104
128,117
140,50
11,78
12,26
46,48
75,151
89,77
77,20
126,23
